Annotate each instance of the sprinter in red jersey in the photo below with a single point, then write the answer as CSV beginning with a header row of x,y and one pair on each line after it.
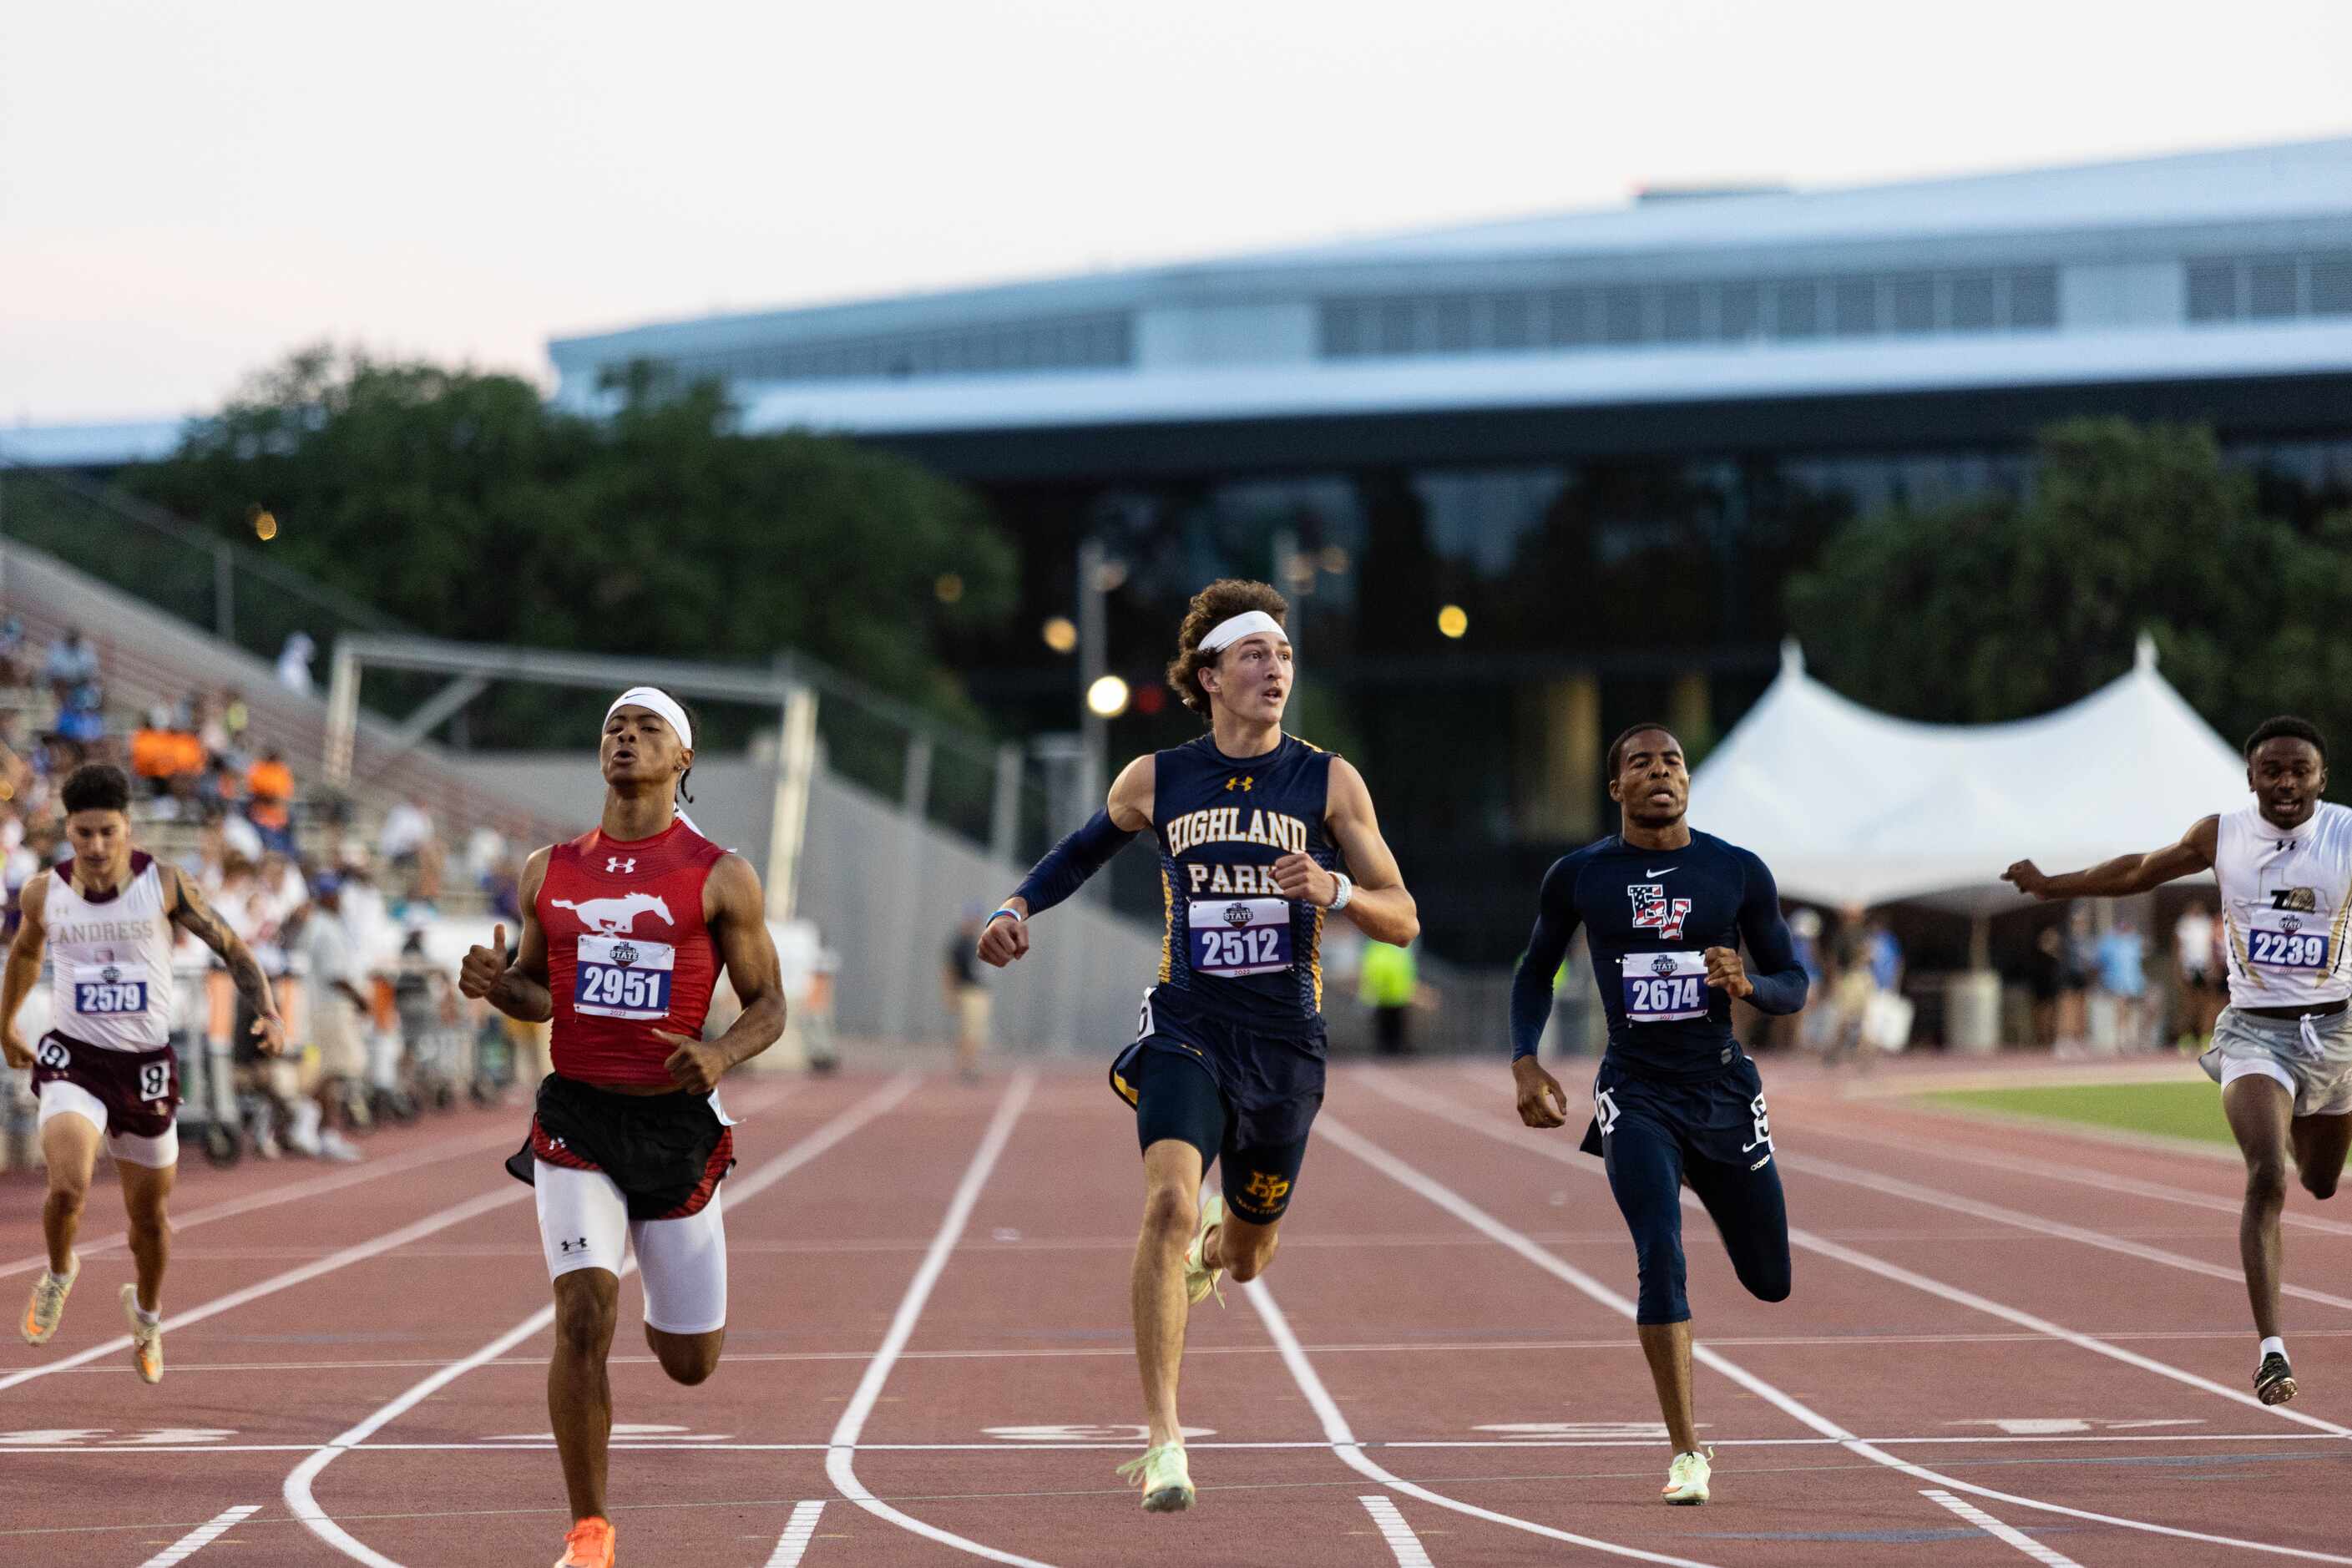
x,y
624,932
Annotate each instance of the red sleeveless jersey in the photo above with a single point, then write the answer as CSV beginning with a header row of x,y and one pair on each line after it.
x,y
628,951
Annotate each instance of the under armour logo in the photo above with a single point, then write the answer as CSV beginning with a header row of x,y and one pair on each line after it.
x,y
1244,784
613,863
580,1245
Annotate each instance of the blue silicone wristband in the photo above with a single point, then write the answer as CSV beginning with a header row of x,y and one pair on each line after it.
x,y
1002,909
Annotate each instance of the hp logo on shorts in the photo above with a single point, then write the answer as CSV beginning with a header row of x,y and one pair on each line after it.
x,y
624,954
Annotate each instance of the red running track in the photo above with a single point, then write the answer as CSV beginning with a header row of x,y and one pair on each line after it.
x,y
2006,1346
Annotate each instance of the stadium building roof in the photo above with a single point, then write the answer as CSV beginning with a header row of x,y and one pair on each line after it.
x,y
2191,267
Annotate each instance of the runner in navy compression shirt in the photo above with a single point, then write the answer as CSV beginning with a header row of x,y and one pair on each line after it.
x,y
1664,911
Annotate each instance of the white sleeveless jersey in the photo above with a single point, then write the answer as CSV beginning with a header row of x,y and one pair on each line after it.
x,y
2285,897
110,980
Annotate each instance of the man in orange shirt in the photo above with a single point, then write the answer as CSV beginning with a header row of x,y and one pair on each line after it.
x,y
270,809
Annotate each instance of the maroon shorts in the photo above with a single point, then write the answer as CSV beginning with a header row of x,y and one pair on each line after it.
x,y
140,1089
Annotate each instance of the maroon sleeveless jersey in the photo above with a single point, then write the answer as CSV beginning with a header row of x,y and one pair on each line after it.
x,y
628,951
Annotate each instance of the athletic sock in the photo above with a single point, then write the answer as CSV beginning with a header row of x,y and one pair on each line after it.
x,y
2274,1345
147,1320
59,1279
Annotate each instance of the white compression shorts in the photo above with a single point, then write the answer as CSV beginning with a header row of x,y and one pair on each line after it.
x,y
59,1098
583,1223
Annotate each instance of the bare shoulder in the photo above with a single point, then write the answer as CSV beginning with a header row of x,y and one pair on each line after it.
x,y
534,874
1346,793
33,898
732,889
1133,793
2204,837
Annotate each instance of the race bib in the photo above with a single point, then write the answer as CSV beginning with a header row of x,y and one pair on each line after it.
x,y
1661,987
622,977
1233,937
2289,945
110,990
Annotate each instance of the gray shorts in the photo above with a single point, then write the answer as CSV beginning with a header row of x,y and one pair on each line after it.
x,y
2310,1057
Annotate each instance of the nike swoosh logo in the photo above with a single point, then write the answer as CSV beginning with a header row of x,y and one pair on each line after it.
x,y
1661,870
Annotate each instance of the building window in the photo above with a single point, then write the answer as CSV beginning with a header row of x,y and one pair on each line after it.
x,y
2269,288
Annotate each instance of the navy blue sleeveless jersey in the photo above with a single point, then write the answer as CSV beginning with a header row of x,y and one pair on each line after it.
x,y
1648,916
1233,943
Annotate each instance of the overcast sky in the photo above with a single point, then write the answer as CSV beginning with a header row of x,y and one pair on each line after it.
x,y
186,192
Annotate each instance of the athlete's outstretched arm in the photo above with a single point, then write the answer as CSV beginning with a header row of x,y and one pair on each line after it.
x,y
2125,874
1067,865
24,970
1556,922
193,914
518,989
1380,907
1770,978
736,913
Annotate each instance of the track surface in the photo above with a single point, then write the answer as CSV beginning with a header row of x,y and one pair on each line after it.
x,y
2006,1346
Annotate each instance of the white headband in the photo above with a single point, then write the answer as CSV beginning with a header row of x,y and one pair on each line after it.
x,y
655,700
1225,634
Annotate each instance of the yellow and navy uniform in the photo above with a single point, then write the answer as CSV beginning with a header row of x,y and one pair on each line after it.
x,y
1237,1011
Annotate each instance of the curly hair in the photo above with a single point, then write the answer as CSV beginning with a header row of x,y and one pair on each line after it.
x,y
1221,601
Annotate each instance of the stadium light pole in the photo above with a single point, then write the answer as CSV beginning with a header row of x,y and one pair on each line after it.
x,y
1094,663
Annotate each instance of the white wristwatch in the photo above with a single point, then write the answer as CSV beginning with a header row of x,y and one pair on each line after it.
x,y
1347,890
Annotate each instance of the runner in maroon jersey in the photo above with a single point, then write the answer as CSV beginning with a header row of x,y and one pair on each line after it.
x,y
623,931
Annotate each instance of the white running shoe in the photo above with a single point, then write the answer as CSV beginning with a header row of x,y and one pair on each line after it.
x,y
1199,1279
146,1339
1686,1478
1165,1478
48,1304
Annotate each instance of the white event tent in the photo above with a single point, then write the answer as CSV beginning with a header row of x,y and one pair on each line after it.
x,y
1848,806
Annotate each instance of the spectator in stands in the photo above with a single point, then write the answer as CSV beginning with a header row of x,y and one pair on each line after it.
x,y
269,805
2122,976
71,664
2046,970
1803,1027
338,1013
2196,949
236,718
2074,978
967,994
408,843
294,663
503,888
15,762
167,758
15,658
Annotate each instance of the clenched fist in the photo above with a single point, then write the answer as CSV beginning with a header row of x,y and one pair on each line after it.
x,y
1005,939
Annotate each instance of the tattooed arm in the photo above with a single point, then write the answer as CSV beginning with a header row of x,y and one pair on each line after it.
x,y
191,912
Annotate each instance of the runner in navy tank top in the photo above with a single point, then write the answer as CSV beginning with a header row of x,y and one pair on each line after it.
x,y
623,931
1666,911
1262,838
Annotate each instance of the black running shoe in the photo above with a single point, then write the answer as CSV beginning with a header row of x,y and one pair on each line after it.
x,y
2274,1380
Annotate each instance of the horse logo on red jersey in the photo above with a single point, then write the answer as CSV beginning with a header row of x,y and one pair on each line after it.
x,y
617,916
1653,910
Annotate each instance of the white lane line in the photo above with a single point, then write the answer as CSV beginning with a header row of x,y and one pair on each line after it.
x,y
203,1535
2081,1175
1343,1441
374,1247
1454,1202
293,1192
840,1461
1396,1533
1896,1187
2000,1532
298,1486
798,1531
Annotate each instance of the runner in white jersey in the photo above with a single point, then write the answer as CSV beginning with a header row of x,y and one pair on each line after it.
x,y
2283,1049
105,1071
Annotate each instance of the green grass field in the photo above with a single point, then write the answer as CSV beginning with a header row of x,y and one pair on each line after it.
x,y
2174,1110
